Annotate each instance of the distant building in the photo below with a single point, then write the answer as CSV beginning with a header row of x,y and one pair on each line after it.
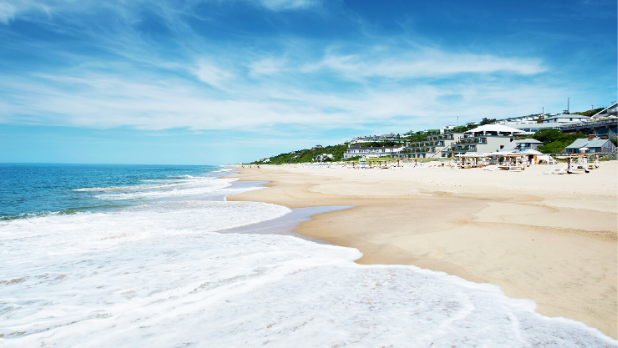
x,y
375,138
446,129
371,152
601,127
565,118
317,147
591,145
610,111
323,157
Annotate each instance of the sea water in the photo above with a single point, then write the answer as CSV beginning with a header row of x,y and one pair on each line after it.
x,y
138,256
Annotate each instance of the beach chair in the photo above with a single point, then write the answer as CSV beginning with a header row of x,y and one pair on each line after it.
x,y
562,170
551,171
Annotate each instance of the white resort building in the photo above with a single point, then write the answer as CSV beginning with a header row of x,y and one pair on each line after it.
x,y
565,118
432,147
521,145
371,152
484,139
375,138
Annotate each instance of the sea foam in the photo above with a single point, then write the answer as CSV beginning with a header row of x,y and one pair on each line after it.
x,y
157,275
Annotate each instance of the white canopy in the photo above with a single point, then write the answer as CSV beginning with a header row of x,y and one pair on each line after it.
x,y
494,128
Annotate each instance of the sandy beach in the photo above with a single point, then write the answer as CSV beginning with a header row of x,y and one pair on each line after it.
x,y
549,238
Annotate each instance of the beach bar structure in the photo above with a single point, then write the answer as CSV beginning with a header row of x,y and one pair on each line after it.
x,y
512,161
484,139
580,162
471,160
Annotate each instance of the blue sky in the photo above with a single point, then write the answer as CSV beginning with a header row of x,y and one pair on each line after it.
x,y
223,81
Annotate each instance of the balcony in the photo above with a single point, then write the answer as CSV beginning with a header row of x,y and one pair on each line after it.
x,y
471,141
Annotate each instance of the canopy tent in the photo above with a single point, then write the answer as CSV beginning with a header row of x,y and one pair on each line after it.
x,y
532,152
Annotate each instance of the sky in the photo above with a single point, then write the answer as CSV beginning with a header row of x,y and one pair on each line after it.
x,y
228,81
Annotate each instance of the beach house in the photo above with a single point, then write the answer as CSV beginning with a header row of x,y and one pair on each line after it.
x,y
591,145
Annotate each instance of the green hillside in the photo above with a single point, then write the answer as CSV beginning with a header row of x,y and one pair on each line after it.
x,y
307,155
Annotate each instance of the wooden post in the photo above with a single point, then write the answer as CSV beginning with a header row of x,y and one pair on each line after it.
x,y
569,166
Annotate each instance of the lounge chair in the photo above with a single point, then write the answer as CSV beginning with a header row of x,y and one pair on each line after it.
x,y
551,171
562,170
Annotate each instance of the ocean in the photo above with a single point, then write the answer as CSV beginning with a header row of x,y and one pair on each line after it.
x,y
143,256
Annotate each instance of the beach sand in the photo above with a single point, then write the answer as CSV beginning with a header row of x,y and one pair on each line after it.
x,y
549,238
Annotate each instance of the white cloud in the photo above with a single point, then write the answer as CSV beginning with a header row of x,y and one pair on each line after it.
x,y
7,12
147,89
423,64
10,9
212,75
266,66
283,5
102,101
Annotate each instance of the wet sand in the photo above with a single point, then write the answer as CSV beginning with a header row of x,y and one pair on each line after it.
x,y
549,238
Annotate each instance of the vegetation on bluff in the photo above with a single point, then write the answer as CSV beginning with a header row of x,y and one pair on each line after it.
x,y
308,155
554,141
587,113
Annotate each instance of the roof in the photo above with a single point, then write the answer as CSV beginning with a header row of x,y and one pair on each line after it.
x,y
579,143
528,141
607,111
510,147
495,128
532,152
566,116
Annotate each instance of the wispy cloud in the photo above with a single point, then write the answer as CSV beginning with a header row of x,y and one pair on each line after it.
x,y
7,12
92,100
283,5
426,62
190,80
266,66
211,74
10,9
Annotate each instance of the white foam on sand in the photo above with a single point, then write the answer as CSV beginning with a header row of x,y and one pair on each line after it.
x,y
157,276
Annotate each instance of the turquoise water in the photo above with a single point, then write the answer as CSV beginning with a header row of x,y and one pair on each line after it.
x,y
35,189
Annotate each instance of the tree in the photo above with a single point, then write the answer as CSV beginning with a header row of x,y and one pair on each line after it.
x,y
554,141
588,113
547,135
486,120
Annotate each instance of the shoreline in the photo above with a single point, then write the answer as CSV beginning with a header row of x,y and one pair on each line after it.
x,y
554,246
